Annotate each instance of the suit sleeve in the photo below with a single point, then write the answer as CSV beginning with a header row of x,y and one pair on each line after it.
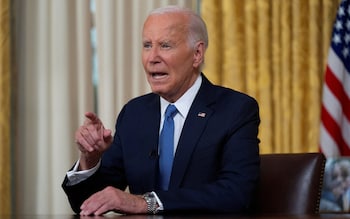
x,y
112,175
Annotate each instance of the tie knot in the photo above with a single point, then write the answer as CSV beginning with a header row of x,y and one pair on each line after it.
x,y
170,111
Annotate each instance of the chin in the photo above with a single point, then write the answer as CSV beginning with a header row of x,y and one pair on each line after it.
x,y
157,92
157,87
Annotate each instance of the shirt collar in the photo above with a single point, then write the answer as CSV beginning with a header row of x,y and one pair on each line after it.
x,y
184,103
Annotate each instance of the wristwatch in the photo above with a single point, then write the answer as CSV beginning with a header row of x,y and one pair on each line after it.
x,y
152,205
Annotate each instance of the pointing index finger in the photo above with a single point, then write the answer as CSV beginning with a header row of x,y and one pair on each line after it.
x,y
92,117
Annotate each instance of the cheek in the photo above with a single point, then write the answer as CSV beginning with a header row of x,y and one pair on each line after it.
x,y
183,63
180,60
143,59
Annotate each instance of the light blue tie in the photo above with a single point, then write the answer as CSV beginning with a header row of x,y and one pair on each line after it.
x,y
166,147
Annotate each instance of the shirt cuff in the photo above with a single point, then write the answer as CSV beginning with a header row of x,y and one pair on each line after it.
x,y
74,176
160,204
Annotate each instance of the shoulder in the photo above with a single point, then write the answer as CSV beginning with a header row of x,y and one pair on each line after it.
x,y
145,106
141,104
143,100
217,94
232,102
226,92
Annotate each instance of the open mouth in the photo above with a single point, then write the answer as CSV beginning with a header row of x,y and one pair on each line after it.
x,y
158,75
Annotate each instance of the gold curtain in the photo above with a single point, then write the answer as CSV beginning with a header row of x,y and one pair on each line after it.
x,y
5,179
275,51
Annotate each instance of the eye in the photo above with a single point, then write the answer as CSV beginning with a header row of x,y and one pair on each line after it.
x,y
147,45
165,45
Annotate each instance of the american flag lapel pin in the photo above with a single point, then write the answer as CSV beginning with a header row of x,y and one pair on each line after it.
x,y
201,114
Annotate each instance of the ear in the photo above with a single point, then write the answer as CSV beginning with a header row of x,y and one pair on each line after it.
x,y
198,55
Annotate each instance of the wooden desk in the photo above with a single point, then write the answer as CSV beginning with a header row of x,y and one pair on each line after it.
x,y
115,216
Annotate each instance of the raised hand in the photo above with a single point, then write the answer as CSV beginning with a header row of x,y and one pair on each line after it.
x,y
92,139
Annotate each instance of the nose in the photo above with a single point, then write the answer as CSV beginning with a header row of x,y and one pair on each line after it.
x,y
153,55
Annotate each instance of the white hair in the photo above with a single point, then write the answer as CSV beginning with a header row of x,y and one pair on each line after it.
x,y
197,27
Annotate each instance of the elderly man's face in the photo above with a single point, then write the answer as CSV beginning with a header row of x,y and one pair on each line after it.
x,y
171,65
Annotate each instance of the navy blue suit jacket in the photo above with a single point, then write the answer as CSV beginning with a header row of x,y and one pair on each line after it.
x,y
216,165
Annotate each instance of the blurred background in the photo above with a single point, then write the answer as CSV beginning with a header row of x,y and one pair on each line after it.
x,y
61,58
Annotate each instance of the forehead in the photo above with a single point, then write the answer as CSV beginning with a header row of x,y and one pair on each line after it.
x,y
165,25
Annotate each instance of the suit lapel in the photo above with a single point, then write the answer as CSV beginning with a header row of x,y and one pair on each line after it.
x,y
195,123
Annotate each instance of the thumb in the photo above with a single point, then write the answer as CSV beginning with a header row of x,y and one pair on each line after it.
x,y
107,135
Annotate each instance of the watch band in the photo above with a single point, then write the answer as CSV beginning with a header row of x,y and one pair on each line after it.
x,y
152,205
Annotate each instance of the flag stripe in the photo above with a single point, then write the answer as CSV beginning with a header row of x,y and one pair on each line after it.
x,y
336,66
337,89
334,108
334,131
328,145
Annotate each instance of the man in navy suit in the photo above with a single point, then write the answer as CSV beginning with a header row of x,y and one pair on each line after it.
x,y
215,165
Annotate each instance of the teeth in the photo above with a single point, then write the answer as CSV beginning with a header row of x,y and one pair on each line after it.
x,y
158,74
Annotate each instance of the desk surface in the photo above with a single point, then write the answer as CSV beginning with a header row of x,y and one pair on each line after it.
x,y
116,216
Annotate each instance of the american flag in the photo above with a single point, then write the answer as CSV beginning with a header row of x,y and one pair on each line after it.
x,y
335,111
